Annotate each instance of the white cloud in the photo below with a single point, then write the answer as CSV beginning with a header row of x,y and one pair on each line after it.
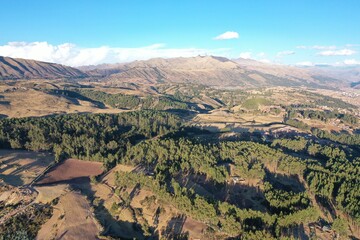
x,y
323,47
255,56
305,64
246,55
261,54
342,52
352,45
351,62
227,35
285,53
317,47
264,60
72,55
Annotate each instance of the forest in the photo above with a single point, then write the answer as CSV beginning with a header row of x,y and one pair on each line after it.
x,y
123,101
97,137
290,172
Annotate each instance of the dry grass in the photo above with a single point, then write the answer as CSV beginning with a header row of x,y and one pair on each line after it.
x,y
109,178
31,102
219,120
49,193
126,217
220,116
72,219
19,167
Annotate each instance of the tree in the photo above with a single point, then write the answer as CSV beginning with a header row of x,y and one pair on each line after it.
x,y
340,226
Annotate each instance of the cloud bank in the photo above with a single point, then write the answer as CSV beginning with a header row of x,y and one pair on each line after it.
x,y
342,52
305,64
72,55
227,35
317,47
351,62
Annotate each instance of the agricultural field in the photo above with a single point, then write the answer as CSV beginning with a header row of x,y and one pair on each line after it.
x,y
72,215
71,170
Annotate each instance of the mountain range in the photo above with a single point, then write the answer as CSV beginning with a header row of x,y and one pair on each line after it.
x,y
17,68
207,70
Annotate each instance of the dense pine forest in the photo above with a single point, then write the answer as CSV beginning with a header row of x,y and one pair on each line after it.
x,y
97,137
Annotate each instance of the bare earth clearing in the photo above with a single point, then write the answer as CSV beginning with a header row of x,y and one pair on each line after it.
x,y
71,169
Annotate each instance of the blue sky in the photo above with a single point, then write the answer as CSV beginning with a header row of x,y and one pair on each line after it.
x,y
91,32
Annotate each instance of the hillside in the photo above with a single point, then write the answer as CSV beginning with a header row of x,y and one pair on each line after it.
x,y
176,161
16,68
205,70
39,98
214,71
303,76
348,73
166,179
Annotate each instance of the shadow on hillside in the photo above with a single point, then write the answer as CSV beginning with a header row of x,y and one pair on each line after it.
x,y
78,181
5,103
295,232
284,182
174,229
74,97
326,205
182,113
241,195
135,191
12,180
246,197
33,165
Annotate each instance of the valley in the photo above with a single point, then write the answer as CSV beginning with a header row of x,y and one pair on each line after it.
x,y
194,161
100,158
180,120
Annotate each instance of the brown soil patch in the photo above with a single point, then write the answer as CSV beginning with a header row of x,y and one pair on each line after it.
x,y
72,169
194,228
